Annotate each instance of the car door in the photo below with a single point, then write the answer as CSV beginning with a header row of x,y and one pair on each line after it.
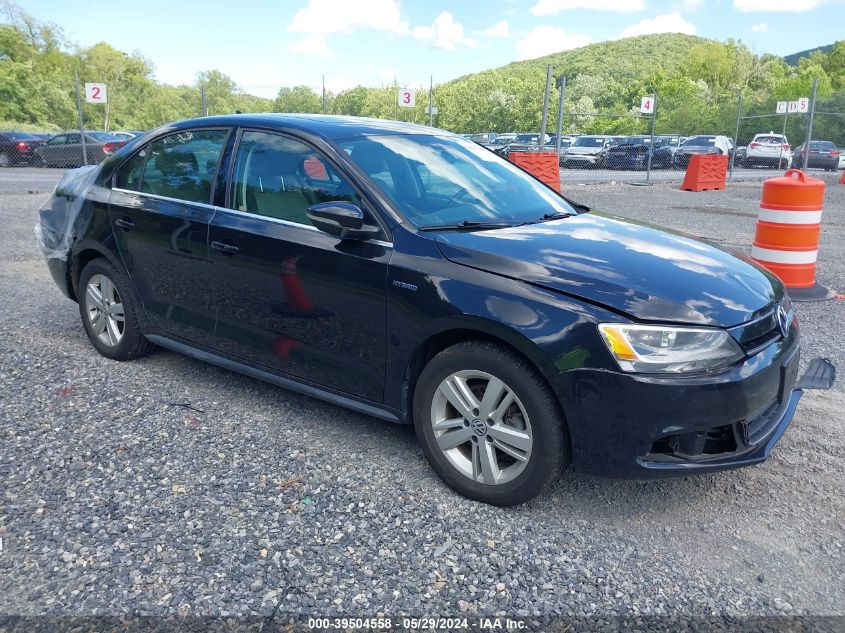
x,y
290,297
53,151
160,209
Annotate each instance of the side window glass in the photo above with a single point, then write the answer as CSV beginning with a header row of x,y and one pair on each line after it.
x,y
183,165
278,177
57,140
73,139
129,174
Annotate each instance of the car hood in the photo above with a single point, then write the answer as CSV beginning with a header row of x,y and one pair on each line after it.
x,y
583,151
645,272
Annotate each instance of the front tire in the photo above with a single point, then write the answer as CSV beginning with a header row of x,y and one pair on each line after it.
x,y
109,312
488,424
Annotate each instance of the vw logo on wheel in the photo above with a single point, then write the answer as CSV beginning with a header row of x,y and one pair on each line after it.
x,y
478,427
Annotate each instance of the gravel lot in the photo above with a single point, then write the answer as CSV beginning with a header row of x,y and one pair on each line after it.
x,y
167,486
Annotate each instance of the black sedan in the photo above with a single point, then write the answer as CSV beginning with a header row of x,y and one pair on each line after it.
x,y
410,274
18,148
823,154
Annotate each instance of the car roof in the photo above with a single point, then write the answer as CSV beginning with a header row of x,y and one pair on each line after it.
x,y
324,125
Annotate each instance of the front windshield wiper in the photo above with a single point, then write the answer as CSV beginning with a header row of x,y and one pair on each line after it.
x,y
467,225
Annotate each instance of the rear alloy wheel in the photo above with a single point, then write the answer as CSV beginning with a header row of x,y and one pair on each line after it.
x,y
109,312
5,161
488,424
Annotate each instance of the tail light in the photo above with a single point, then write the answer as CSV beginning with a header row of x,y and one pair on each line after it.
x,y
109,148
785,146
754,146
835,152
22,145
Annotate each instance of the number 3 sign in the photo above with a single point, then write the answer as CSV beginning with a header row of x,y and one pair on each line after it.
x,y
95,93
407,99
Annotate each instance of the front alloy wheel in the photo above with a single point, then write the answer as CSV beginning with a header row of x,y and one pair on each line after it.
x,y
481,427
488,423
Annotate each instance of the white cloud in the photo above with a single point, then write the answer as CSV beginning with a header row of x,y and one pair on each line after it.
x,y
444,33
310,45
666,23
500,29
762,27
344,16
780,6
545,39
550,7
691,6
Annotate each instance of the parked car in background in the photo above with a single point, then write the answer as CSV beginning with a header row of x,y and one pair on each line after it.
x,y
517,332
702,144
664,151
65,150
586,151
18,148
500,142
841,158
524,142
127,135
768,150
823,154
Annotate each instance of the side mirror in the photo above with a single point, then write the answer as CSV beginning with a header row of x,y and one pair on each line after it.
x,y
342,219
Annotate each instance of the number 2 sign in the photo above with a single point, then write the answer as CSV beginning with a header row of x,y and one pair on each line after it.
x,y
407,99
95,93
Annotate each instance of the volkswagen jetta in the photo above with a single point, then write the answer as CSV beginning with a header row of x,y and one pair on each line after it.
x,y
410,274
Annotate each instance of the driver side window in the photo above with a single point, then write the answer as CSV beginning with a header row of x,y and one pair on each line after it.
x,y
279,177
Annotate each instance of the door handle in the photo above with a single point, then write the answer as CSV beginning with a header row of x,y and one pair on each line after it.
x,y
125,223
226,249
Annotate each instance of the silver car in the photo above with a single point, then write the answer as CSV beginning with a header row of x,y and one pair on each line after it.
x,y
586,151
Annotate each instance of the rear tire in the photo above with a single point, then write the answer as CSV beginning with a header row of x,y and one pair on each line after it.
x,y
5,161
515,443
109,312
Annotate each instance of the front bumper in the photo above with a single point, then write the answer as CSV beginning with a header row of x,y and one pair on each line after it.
x,y
644,427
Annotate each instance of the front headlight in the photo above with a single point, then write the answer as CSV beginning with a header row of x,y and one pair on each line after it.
x,y
665,349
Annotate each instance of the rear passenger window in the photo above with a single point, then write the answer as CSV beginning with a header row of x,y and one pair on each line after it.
x,y
129,174
278,177
183,165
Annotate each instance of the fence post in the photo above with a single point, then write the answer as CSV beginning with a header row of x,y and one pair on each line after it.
x,y
430,101
731,161
204,104
81,124
651,143
783,134
562,84
549,70
809,135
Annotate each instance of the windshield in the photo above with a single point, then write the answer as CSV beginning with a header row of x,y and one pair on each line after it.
x,y
636,140
701,141
446,180
589,141
527,138
103,136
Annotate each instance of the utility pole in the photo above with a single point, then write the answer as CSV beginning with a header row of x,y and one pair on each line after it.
x,y
561,81
549,71
431,101
324,94
204,103
809,136
651,143
81,124
736,135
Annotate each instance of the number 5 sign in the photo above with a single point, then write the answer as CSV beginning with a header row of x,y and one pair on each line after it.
x,y
95,93
407,99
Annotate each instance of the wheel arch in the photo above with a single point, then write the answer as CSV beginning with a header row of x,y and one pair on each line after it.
x,y
85,252
486,332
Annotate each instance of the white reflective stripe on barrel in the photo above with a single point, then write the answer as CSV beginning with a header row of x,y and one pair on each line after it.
x,y
790,217
783,257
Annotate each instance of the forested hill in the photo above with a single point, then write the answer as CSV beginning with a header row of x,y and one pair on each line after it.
x,y
794,58
698,82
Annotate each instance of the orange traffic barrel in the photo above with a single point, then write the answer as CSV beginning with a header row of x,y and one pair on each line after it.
x,y
786,241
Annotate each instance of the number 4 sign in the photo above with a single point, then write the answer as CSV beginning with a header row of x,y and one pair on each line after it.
x,y
647,105
95,93
407,99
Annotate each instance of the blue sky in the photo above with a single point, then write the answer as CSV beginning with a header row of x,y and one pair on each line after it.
x,y
265,44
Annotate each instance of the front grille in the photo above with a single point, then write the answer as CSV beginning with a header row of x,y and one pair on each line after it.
x,y
757,334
